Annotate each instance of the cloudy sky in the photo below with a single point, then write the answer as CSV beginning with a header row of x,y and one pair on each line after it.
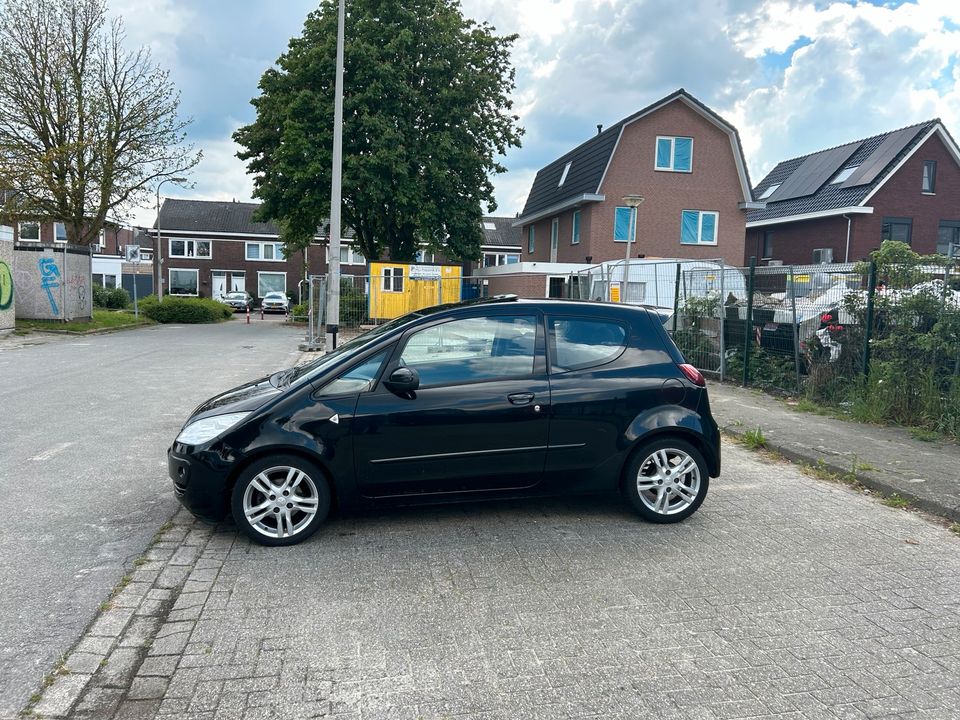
x,y
793,75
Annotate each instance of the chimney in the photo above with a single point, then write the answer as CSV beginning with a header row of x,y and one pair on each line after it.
x,y
599,128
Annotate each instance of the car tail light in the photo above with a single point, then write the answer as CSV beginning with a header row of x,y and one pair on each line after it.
x,y
693,375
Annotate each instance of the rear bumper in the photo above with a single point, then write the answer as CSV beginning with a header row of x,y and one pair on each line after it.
x,y
200,481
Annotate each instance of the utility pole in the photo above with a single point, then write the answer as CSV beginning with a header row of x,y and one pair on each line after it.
x,y
157,254
333,265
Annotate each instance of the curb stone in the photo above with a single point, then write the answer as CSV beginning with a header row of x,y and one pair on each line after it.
x,y
868,479
129,652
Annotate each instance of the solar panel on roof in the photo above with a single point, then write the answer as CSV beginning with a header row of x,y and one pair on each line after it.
x,y
813,172
881,157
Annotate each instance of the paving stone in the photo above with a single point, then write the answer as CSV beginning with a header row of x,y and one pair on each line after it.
x,y
61,695
120,667
84,663
147,688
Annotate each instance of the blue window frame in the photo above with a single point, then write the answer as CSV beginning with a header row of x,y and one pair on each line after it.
x,y
674,154
698,227
623,221
575,235
531,239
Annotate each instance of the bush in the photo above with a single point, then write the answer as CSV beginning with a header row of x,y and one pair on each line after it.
x,y
299,311
115,299
184,310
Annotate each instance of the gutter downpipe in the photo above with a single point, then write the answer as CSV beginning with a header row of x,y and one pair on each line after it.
x,y
846,255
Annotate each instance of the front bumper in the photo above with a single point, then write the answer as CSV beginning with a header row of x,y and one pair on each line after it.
x,y
200,480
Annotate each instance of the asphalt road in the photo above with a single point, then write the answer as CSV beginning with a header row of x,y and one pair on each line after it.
x,y
84,427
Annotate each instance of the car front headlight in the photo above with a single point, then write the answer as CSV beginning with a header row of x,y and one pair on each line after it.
x,y
208,428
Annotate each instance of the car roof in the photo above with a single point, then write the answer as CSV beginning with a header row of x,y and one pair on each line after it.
x,y
586,307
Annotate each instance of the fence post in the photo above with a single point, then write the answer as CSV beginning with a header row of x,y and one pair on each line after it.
x,y
748,325
723,320
796,328
868,330
676,300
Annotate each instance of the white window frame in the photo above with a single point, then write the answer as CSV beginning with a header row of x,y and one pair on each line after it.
x,y
271,272
701,213
29,240
170,272
531,239
6,232
57,239
187,255
425,256
575,228
566,171
354,257
103,277
278,250
843,174
146,255
673,153
102,240
389,276
770,191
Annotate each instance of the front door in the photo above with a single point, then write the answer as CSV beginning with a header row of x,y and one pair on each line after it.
x,y
238,281
478,422
219,288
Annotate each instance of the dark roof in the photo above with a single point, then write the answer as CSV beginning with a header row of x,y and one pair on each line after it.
x,y
503,233
212,216
589,160
802,172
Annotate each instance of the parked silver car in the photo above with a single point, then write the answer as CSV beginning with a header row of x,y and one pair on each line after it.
x,y
275,302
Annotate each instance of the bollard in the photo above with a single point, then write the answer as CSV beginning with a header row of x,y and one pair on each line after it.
x,y
248,314
261,311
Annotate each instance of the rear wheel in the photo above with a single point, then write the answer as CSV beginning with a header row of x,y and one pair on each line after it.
x,y
280,500
666,480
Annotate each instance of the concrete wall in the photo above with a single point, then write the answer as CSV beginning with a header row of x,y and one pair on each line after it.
x,y
7,297
52,283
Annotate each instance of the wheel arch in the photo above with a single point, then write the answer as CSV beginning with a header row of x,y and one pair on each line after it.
x,y
683,433
268,451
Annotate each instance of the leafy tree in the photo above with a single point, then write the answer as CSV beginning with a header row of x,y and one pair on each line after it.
x,y
426,114
87,128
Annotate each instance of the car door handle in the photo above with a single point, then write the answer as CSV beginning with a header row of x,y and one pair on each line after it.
x,y
521,398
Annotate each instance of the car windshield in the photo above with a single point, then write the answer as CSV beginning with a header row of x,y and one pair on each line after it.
x,y
236,296
274,296
311,369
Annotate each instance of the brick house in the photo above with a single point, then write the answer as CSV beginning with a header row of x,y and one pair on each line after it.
x,y
680,156
838,204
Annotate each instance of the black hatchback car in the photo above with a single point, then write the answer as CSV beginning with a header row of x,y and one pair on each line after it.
x,y
491,398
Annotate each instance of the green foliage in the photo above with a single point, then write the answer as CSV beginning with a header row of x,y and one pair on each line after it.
x,y
115,299
353,305
299,312
427,112
184,310
768,369
754,439
895,501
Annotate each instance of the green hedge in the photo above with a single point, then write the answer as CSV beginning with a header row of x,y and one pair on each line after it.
x,y
184,310
115,299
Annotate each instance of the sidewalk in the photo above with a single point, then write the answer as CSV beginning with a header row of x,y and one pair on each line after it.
x,y
925,473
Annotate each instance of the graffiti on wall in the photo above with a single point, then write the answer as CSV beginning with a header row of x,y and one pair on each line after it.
x,y
49,280
6,286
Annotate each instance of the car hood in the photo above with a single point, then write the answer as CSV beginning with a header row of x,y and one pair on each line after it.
x,y
244,398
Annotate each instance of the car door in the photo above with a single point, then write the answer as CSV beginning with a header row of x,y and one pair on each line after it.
x,y
478,421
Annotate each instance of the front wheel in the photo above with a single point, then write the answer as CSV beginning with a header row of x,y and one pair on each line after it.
x,y
280,500
666,480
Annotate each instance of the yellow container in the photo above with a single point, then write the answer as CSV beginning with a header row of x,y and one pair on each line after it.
x,y
399,288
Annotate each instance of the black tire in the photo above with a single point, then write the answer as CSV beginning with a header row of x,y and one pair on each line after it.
x,y
305,491
679,486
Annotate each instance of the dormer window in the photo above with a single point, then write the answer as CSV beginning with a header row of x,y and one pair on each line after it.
x,y
563,177
674,154
769,191
843,174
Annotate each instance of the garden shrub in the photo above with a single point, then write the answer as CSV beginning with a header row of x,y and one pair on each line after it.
x,y
185,310
115,299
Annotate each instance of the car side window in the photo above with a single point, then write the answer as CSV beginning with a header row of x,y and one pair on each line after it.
x,y
473,350
579,343
358,379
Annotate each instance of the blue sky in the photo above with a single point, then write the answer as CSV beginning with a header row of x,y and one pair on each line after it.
x,y
793,75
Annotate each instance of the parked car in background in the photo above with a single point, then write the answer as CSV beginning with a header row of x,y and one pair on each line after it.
x,y
238,300
275,302
487,398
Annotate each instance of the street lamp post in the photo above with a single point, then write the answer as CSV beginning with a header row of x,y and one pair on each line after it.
x,y
333,264
632,202
157,254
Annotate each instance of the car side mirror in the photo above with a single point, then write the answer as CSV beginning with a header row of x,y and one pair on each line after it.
x,y
402,380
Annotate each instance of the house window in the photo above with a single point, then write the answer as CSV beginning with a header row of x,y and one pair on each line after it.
x,y
698,227
349,256
492,259
146,255
843,174
770,191
6,232
271,282
575,236
29,232
393,279
623,220
674,154
269,251
102,240
190,248
949,234
105,280
531,239
897,228
183,282
768,243
563,177
929,176
59,232
423,256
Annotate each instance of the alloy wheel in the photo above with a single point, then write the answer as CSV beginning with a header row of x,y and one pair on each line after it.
x,y
280,501
668,481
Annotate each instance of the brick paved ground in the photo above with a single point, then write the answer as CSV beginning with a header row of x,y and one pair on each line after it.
x,y
783,597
